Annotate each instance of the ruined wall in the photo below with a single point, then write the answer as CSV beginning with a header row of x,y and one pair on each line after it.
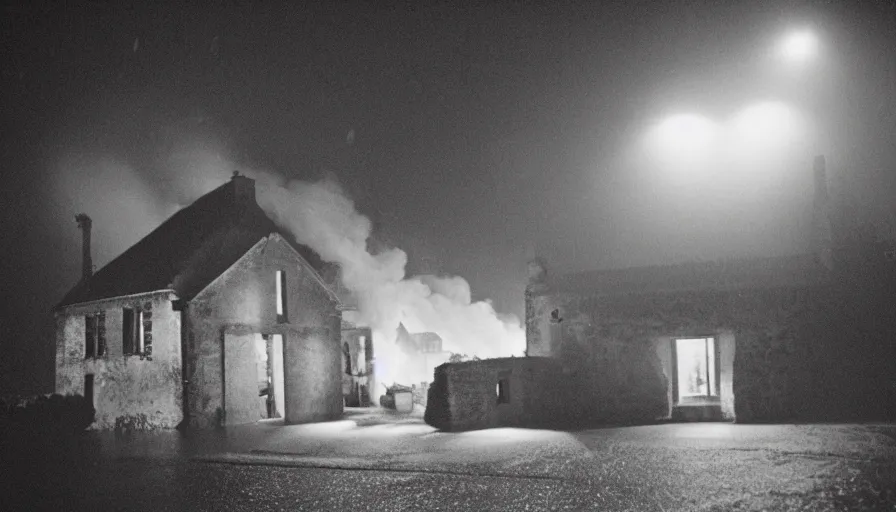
x,y
244,298
464,396
783,337
142,391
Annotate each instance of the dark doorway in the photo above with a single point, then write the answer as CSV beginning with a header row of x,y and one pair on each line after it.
x,y
88,388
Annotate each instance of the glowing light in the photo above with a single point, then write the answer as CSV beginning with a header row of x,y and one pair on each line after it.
x,y
764,126
799,46
683,138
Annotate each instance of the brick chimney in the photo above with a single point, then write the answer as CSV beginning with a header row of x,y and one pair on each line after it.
x,y
243,189
822,237
85,225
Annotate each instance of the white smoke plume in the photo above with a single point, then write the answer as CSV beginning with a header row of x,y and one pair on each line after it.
x,y
321,216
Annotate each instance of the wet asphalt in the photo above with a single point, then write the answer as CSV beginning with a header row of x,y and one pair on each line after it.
x,y
407,466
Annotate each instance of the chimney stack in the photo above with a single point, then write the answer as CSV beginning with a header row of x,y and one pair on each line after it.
x,y
85,225
822,236
243,189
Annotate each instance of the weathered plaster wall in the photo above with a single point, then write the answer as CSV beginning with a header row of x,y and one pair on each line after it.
x,y
144,392
463,396
781,335
244,297
727,353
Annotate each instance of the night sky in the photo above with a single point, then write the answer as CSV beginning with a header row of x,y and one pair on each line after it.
x,y
470,137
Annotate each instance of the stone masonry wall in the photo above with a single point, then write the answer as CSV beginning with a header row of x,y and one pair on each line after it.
x,y
782,338
463,396
141,391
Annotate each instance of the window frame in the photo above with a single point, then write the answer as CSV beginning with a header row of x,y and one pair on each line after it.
x,y
95,346
281,304
133,334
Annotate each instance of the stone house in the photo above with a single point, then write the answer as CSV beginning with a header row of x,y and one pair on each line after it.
x,y
217,317
802,337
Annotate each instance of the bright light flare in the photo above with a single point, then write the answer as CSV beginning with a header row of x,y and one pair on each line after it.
x,y
764,126
799,46
684,138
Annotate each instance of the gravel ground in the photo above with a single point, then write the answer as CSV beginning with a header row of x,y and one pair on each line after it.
x,y
406,466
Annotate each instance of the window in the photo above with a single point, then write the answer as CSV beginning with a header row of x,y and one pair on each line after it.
x,y
697,376
502,390
133,334
281,296
95,335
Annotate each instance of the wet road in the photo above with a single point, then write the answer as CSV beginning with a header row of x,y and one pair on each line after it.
x,y
699,467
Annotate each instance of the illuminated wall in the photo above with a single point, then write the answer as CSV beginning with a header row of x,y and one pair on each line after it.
x,y
244,300
139,390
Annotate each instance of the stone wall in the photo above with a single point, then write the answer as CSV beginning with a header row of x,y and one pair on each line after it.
x,y
140,390
243,299
465,396
783,338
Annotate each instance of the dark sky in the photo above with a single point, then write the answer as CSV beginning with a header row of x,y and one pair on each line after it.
x,y
478,133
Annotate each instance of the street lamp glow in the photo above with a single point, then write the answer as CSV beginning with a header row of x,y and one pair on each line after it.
x,y
684,138
799,46
764,126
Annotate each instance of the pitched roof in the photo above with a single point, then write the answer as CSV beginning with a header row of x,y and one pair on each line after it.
x,y
190,249
774,272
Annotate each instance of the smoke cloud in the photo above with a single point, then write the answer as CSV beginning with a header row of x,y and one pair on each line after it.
x,y
318,214
321,216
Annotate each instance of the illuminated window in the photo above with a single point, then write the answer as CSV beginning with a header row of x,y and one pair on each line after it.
x,y
281,295
696,372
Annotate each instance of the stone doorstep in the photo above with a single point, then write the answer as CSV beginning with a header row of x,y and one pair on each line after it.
x,y
697,412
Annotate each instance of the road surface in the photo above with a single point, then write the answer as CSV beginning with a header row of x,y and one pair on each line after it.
x,y
408,466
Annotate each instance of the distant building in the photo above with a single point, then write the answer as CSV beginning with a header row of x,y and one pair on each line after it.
x,y
217,317
809,336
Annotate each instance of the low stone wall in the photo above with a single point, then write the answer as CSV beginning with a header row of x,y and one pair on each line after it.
x,y
507,392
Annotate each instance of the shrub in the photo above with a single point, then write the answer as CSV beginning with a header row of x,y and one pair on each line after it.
x,y
46,415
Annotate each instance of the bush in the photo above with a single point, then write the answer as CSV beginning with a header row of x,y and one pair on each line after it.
x,y
46,415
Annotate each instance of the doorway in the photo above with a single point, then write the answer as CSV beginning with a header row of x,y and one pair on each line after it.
x,y
253,377
277,407
269,369
696,375
88,389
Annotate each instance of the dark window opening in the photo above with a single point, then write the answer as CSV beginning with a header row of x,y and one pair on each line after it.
x,y
89,336
503,391
95,335
347,358
127,334
134,330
